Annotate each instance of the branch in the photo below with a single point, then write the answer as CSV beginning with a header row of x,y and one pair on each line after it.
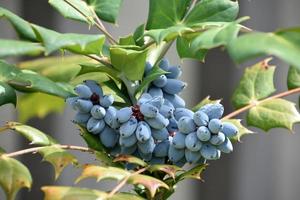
x,y
103,60
98,23
36,149
123,182
255,103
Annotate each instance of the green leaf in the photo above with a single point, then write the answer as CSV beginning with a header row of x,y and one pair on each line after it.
x,y
214,37
34,135
127,40
29,81
76,43
138,35
152,184
44,104
273,113
74,193
153,74
130,62
74,9
102,173
242,129
13,176
57,68
107,10
130,159
283,44
171,170
293,80
58,157
7,94
194,173
205,101
213,11
169,33
22,27
256,83
166,13
183,46
91,67
19,48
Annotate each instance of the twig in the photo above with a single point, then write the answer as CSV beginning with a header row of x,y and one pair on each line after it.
x,y
255,103
102,60
123,182
36,149
99,26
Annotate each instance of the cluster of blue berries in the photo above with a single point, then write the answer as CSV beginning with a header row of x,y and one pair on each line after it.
x,y
158,129
201,135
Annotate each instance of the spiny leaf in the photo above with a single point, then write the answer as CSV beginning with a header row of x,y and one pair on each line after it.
x,y
44,104
205,101
29,81
130,62
152,184
13,176
19,48
183,46
171,170
256,83
130,159
165,13
283,44
77,43
293,80
273,113
91,67
22,27
58,157
107,10
168,34
56,68
74,9
102,173
153,74
213,10
74,193
194,173
7,94
242,129
34,135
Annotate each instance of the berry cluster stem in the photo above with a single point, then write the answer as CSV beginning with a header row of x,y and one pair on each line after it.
x,y
255,103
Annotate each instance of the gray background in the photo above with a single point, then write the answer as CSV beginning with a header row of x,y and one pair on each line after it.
x,y
264,166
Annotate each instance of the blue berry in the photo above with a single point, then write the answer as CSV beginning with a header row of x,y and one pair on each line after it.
x,y
192,143
201,118
186,125
229,129
203,134
128,128
215,125
226,147
174,86
217,139
179,140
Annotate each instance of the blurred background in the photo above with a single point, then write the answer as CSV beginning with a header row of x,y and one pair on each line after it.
x,y
263,166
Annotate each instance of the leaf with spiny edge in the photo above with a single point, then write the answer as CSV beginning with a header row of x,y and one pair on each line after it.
x,y
257,83
58,157
76,193
242,129
102,173
34,135
13,176
205,101
152,184
74,9
44,104
194,173
171,170
130,159
273,113
183,46
293,80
